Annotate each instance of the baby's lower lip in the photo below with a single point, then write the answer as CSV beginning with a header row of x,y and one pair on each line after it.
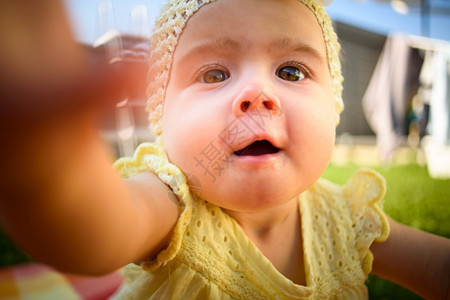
x,y
255,159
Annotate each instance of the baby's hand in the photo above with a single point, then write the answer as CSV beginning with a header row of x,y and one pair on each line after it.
x,y
52,92
44,72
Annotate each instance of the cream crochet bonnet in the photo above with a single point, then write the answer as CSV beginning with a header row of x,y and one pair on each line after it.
x,y
168,28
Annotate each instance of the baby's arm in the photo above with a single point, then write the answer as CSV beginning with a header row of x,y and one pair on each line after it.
x,y
67,207
60,198
415,259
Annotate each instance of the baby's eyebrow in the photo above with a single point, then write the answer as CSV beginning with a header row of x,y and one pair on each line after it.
x,y
224,46
286,45
218,46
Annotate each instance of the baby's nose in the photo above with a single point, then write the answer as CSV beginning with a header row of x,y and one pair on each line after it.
x,y
254,97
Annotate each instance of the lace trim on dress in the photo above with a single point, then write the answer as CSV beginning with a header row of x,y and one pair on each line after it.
x,y
152,157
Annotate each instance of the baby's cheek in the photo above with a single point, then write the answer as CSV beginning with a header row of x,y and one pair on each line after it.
x,y
185,148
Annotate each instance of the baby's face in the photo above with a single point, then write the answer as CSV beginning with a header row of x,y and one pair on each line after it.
x,y
249,114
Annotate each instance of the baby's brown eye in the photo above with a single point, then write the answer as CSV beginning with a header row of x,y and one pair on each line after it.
x,y
214,76
290,73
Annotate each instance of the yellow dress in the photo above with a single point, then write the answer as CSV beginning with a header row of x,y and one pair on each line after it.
x,y
210,257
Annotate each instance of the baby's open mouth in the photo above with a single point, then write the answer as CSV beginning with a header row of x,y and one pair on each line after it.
x,y
257,148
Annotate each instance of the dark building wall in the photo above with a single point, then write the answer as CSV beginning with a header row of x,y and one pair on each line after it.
x,y
360,52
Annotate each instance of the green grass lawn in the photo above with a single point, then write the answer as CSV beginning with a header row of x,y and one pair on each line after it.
x,y
413,198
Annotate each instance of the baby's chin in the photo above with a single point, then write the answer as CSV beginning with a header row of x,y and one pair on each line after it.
x,y
248,199
249,193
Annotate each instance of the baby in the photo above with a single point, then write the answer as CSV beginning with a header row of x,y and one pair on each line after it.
x,y
227,204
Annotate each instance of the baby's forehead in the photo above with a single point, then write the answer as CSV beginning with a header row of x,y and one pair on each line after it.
x,y
227,14
239,25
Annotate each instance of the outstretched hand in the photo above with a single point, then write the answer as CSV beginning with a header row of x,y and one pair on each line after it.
x,y
45,72
53,91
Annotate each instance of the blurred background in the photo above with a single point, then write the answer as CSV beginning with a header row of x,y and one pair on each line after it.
x,y
396,65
